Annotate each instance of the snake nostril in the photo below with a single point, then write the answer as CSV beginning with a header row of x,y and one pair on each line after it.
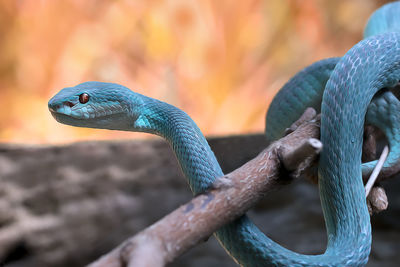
x,y
69,104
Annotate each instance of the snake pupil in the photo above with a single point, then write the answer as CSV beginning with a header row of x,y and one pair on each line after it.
x,y
84,98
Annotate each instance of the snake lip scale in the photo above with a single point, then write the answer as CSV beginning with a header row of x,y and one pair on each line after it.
x,y
346,86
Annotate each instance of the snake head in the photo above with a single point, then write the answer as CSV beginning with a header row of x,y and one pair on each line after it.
x,y
94,105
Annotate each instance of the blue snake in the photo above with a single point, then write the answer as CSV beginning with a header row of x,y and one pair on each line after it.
x,y
350,84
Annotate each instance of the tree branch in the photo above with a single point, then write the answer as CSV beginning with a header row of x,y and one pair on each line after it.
x,y
230,198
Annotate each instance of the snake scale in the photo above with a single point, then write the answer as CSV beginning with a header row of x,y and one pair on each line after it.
x,y
350,83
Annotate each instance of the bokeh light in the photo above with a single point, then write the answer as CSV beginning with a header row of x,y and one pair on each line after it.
x,y
220,61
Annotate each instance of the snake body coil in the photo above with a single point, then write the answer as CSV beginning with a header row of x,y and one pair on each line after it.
x,y
372,64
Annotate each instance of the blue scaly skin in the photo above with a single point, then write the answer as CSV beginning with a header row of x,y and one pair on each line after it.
x,y
372,64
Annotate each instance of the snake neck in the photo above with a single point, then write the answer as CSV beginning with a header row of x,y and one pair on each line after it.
x,y
195,157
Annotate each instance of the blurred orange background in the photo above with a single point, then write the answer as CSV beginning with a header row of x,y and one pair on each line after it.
x,y
221,61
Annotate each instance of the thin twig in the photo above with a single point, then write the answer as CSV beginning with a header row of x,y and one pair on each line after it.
x,y
377,169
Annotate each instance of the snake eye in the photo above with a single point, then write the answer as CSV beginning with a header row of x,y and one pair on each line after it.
x,y
84,98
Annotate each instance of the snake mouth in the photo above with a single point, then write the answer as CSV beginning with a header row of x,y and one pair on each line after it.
x,y
110,121
62,118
